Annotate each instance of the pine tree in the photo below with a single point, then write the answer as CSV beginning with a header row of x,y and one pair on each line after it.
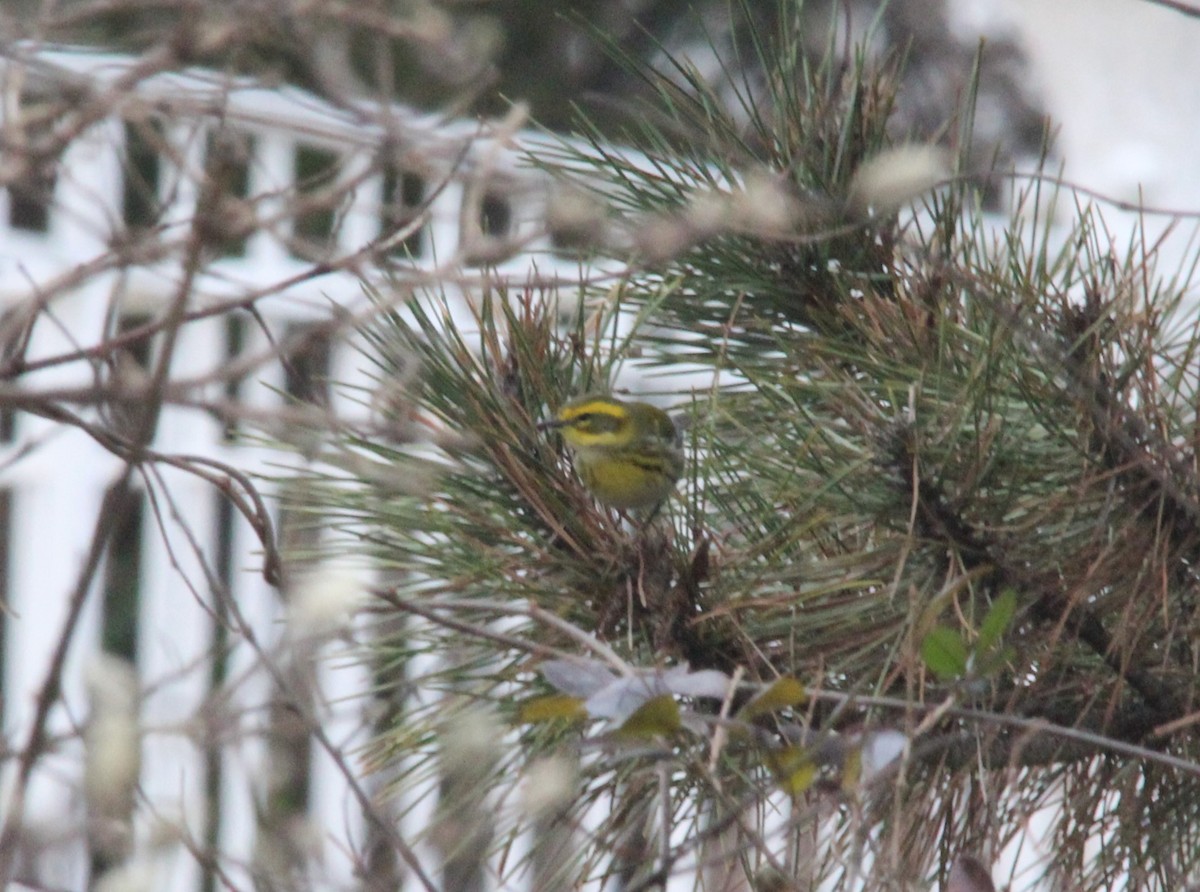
x,y
929,573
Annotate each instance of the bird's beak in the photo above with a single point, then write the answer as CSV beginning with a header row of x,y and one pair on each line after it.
x,y
550,425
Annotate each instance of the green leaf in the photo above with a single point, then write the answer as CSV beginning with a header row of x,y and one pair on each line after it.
x,y
993,662
782,694
657,716
945,653
998,619
550,708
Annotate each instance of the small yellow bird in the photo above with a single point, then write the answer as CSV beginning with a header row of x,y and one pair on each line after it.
x,y
629,455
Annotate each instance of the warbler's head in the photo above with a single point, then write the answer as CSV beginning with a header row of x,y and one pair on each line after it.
x,y
596,421
626,454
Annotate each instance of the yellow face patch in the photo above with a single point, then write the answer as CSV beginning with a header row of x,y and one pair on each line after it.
x,y
594,422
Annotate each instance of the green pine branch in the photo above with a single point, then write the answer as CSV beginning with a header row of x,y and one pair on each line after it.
x,y
917,418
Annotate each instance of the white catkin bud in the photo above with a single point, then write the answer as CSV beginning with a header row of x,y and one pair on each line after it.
x,y
764,205
896,177
470,740
708,212
428,24
112,738
663,238
135,876
576,217
324,601
548,786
